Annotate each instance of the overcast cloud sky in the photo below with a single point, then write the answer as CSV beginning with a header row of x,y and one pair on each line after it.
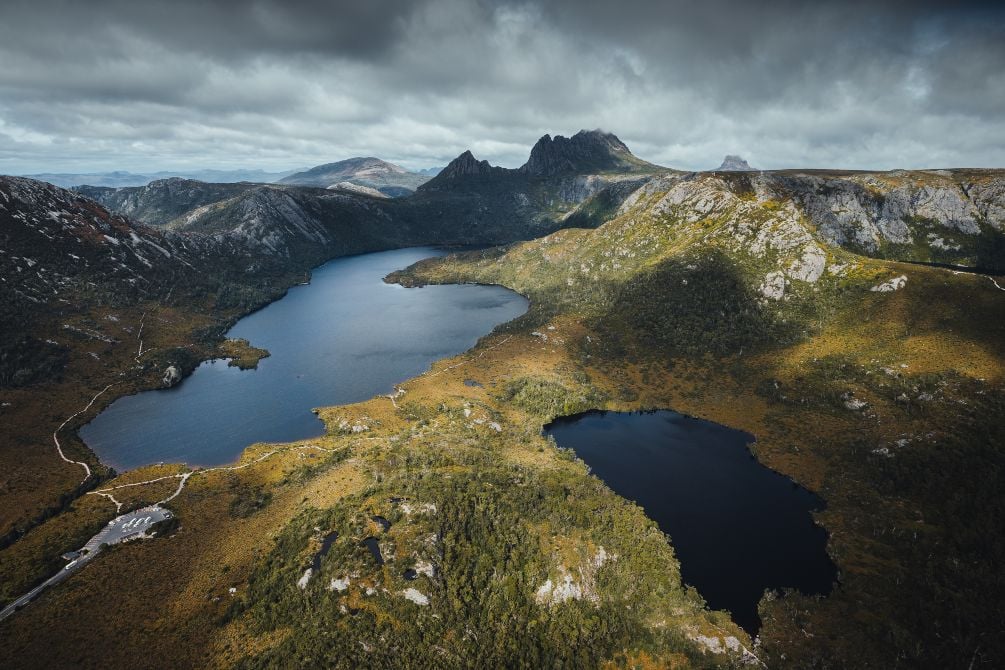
x,y
277,84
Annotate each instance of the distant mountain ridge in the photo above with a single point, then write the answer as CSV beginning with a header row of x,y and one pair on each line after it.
x,y
943,216
120,178
370,172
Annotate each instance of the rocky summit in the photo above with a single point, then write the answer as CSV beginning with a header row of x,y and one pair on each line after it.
x,y
733,163
464,166
585,152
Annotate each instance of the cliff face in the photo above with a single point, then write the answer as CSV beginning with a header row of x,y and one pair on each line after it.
x,y
955,217
942,216
585,152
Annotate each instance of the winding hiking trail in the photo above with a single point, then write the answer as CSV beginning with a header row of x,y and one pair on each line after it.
x,y
130,525
184,476
990,278
59,447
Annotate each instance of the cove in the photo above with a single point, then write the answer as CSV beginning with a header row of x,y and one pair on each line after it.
x,y
345,337
737,527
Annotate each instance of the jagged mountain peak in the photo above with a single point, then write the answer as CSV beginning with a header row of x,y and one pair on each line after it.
x,y
734,163
586,151
464,166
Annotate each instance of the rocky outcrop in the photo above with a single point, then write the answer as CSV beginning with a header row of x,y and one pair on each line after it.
x,y
350,187
892,285
171,376
733,163
924,216
585,152
464,166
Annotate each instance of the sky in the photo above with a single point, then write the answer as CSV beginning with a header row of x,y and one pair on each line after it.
x,y
280,84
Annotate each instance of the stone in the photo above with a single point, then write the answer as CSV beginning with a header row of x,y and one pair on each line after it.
x,y
773,286
171,376
894,284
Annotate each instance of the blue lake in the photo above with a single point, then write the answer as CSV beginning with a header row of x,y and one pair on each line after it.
x,y
345,337
737,527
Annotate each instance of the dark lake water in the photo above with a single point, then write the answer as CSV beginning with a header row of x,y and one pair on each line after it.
x,y
344,338
737,527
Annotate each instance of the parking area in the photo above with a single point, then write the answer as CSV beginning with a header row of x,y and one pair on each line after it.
x,y
119,529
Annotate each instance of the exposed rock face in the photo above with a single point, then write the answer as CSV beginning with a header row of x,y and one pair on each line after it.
x,y
466,165
415,596
570,588
171,376
732,163
869,211
948,217
810,265
892,285
586,151
773,286
162,200
718,645
945,216
350,187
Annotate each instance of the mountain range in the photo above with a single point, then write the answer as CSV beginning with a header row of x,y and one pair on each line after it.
x,y
810,308
120,178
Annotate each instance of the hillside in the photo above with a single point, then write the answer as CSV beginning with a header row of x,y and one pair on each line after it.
x,y
388,178
79,284
759,301
874,384
162,201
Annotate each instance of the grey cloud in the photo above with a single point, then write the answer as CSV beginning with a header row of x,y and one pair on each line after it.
x,y
109,84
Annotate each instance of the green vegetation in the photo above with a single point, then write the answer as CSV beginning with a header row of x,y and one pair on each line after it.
x,y
26,360
492,533
885,404
548,398
248,499
241,354
692,306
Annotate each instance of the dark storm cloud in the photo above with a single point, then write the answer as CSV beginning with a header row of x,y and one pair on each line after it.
x,y
224,28
111,83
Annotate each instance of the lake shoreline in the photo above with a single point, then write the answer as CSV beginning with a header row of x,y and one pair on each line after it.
x,y
342,339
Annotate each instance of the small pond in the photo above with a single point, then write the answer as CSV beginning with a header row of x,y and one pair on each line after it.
x,y
737,527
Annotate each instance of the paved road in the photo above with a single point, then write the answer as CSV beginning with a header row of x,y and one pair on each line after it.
x,y
119,529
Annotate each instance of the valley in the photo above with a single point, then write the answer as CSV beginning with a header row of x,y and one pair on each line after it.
x,y
777,303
